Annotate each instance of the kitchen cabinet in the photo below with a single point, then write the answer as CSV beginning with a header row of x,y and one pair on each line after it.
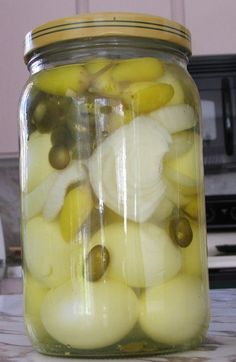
x,y
16,19
211,22
212,25
154,7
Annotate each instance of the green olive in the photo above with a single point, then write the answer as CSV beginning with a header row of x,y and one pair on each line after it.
x,y
41,118
67,109
34,96
62,136
52,111
40,110
96,263
59,157
180,231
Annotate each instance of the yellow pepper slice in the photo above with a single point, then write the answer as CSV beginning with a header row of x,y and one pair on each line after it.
x,y
138,70
145,97
192,208
61,81
96,65
179,96
77,206
105,85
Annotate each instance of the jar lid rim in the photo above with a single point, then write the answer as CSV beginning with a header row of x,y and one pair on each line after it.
x,y
107,24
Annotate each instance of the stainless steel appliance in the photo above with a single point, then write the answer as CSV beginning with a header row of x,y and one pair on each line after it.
x,y
215,77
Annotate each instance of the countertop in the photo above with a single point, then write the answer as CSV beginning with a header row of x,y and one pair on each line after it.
x,y
219,346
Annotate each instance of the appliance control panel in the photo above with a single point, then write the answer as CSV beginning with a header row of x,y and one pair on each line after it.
x,y
221,212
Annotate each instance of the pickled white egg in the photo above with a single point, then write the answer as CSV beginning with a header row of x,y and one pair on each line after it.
x,y
174,312
46,254
37,164
90,315
34,294
141,255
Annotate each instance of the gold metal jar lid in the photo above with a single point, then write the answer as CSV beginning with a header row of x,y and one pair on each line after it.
x,y
108,24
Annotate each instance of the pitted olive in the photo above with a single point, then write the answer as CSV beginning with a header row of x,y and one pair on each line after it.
x,y
33,99
62,136
52,111
96,263
59,157
180,231
43,118
46,114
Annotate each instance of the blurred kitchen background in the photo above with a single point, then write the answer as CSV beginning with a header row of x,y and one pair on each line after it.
x,y
213,66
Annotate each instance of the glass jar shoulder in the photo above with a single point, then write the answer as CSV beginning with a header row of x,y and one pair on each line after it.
x,y
119,76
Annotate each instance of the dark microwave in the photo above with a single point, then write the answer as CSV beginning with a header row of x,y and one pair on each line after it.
x,y
215,77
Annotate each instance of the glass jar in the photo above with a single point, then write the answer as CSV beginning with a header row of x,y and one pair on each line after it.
x,y
113,222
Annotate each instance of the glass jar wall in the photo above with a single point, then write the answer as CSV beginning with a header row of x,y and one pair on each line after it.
x,y
113,222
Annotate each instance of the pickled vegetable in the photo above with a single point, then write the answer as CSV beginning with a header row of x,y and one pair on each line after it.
x,y
163,211
97,262
138,70
178,97
176,118
59,157
113,245
146,189
72,174
35,293
192,207
183,170
178,305
107,321
46,254
62,81
97,65
34,201
119,119
76,208
61,136
180,231
38,166
145,97
112,217
193,257
141,255
41,123
181,143
105,85
178,198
